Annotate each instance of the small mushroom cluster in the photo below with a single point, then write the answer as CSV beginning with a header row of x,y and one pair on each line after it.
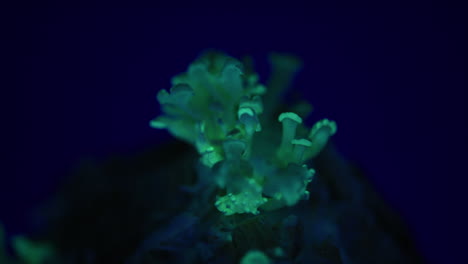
x,y
216,106
301,149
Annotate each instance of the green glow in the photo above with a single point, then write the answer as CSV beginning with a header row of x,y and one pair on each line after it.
x,y
255,257
227,115
31,252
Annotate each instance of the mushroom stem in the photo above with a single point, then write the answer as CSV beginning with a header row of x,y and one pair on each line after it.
x,y
290,122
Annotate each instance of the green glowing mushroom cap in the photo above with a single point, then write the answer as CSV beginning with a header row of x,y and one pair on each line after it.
x,y
302,142
290,116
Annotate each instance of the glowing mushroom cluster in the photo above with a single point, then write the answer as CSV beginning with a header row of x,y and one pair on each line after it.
x,y
217,106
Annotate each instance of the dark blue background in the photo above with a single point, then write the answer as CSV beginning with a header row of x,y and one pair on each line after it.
x,y
82,83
